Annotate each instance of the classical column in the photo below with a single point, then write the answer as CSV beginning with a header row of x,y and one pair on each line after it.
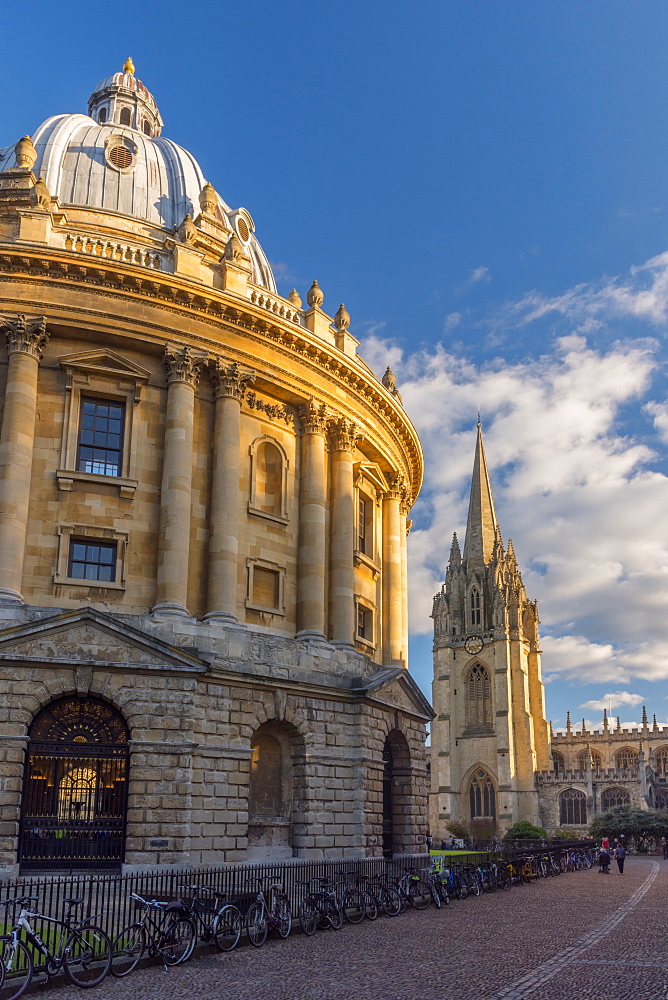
x,y
230,384
183,369
392,578
405,527
344,437
25,342
311,559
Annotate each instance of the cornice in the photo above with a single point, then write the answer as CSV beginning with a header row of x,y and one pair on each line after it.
x,y
224,312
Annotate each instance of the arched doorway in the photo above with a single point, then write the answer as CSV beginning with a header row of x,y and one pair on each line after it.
x,y
397,811
276,791
75,788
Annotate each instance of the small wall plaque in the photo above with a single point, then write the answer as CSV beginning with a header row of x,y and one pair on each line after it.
x,y
158,843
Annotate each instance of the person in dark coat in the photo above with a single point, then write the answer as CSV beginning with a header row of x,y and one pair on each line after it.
x,y
604,862
620,854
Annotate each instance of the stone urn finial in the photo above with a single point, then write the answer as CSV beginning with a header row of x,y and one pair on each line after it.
x,y
294,298
25,152
41,195
342,319
189,231
234,251
207,199
315,296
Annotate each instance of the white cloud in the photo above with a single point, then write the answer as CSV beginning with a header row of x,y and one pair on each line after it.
x,y
612,701
451,321
580,493
477,275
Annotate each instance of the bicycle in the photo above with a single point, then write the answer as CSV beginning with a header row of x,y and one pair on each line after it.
x,y
319,908
385,897
261,918
438,887
214,920
414,890
351,900
173,939
84,952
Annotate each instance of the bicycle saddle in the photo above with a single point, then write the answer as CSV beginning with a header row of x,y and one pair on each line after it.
x,y
176,907
73,902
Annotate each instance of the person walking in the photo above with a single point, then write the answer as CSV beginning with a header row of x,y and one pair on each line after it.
x,y
620,854
664,848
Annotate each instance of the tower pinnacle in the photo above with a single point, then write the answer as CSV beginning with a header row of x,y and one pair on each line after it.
x,y
481,525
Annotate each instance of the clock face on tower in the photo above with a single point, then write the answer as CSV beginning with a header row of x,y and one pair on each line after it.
x,y
473,644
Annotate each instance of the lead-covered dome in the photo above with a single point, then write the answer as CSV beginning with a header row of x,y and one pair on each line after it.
x,y
115,159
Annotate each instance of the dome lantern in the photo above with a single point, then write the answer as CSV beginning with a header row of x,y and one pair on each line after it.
x,y
123,100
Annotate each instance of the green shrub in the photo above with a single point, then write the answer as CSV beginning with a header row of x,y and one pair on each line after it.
x,y
525,831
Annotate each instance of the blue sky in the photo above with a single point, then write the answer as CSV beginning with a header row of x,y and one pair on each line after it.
x,y
484,184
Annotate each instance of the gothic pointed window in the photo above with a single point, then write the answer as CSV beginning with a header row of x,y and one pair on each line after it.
x,y
482,796
558,762
474,606
626,759
572,808
613,798
582,759
479,698
662,761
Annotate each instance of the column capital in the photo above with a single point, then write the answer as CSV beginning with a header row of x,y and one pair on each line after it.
x,y
26,335
344,434
313,417
182,365
230,380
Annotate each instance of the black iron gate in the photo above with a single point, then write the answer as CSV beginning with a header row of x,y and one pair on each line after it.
x,y
75,789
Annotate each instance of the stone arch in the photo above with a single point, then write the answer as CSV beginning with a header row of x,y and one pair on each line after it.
x,y
479,788
479,714
397,797
558,762
627,759
75,783
276,790
269,471
612,798
474,606
572,807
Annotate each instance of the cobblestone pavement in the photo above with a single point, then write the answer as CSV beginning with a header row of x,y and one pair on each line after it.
x,y
574,937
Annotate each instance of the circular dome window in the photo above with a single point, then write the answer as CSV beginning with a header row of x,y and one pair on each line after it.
x,y
242,229
120,153
120,157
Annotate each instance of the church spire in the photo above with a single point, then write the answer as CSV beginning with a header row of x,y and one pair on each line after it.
x,y
481,525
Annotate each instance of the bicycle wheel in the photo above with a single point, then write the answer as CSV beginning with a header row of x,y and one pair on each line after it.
x,y
419,894
177,941
284,915
16,969
335,915
503,879
353,906
308,917
87,956
473,884
461,888
227,927
256,924
370,905
390,900
127,949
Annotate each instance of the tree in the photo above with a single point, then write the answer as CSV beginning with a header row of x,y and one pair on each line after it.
x,y
642,827
457,829
525,831
567,833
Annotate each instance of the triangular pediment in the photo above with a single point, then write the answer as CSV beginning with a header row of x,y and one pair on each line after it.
x,y
394,686
96,639
105,363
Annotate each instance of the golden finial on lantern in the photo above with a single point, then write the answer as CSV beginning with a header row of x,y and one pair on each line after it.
x,y
129,66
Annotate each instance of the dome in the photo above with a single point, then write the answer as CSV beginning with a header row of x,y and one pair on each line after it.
x,y
114,159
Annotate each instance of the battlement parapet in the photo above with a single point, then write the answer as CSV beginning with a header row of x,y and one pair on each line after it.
x,y
603,774
600,736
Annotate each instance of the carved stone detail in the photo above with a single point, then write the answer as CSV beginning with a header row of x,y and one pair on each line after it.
x,y
344,434
229,380
26,336
273,410
313,417
182,365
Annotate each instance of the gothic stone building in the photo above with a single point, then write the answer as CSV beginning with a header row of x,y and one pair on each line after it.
x,y
203,503
494,758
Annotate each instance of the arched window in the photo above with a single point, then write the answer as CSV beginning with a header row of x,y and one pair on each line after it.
x,y
662,761
613,797
661,801
102,116
482,797
474,604
75,787
268,479
276,792
266,793
478,698
146,126
558,762
626,759
582,759
126,116
572,808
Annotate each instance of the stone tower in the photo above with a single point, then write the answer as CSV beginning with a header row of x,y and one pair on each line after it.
x,y
490,733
